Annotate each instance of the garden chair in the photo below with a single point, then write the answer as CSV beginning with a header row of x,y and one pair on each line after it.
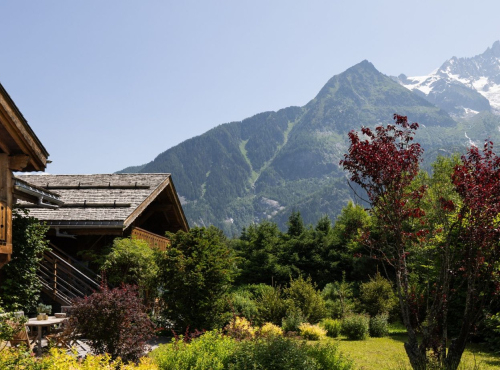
x,y
21,334
59,327
66,338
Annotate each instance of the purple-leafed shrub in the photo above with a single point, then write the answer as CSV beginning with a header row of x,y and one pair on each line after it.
x,y
113,321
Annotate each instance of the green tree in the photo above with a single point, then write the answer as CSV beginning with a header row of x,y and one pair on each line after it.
x,y
295,224
302,294
262,255
132,261
20,288
196,273
377,296
459,241
346,255
339,298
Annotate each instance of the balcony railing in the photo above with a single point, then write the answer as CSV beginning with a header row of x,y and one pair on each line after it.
x,y
154,240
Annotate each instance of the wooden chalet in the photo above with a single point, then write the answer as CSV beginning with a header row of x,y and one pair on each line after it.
x,y
96,209
20,150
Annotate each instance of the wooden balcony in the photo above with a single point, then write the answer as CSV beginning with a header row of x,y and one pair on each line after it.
x,y
154,240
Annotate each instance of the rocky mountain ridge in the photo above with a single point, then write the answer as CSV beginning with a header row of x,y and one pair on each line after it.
x,y
462,86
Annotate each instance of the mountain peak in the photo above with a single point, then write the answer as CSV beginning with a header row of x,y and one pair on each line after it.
x,y
463,86
495,48
364,64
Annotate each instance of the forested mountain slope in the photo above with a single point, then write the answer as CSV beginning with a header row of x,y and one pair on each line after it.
x,y
275,162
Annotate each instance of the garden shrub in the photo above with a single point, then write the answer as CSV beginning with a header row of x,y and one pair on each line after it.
x,y
311,332
379,326
240,328
490,331
21,287
215,351
339,298
355,327
210,351
10,323
270,330
271,306
332,327
113,321
277,353
196,273
292,320
58,359
328,356
377,296
304,295
242,304
131,261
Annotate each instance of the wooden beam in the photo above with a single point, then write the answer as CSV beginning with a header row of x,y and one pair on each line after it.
x,y
18,162
17,127
4,259
6,199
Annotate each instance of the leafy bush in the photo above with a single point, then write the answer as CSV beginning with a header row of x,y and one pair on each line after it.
x,y
10,323
131,261
20,288
242,304
327,356
339,298
196,273
239,328
355,327
270,330
215,351
491,331
292,320
379,326
113,321
311,332
271,306
278,353
57,359
210,351
377,296
332,327
303,295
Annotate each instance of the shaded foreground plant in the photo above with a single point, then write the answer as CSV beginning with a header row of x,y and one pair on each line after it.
x,y
216,351
57,359
113,321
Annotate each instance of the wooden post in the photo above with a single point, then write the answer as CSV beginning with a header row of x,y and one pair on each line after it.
x,y
6,204
55,278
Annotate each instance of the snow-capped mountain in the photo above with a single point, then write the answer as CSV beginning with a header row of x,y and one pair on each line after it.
x,y
462,86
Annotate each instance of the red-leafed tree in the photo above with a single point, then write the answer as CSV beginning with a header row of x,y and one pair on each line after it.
x,y
461,240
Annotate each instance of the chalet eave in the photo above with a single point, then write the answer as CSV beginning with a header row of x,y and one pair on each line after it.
x,y
18,137
91,224
36,195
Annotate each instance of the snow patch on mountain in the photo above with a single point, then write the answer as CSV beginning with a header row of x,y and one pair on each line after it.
x,y
462,86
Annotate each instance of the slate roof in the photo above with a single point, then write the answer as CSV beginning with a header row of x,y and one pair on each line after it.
x,y
96,199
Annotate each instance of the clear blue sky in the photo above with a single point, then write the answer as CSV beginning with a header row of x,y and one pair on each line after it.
x,y
108,84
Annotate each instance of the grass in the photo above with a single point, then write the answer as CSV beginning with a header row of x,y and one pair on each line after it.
x,y
388,353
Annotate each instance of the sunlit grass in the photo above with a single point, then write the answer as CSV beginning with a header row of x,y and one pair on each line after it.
x,y
388,353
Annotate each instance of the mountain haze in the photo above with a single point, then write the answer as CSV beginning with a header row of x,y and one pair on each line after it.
x,y
274,162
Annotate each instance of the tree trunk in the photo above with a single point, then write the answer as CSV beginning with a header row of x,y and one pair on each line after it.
x,y
417,359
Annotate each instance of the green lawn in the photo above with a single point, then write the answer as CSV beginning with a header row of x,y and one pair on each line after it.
x,y
388,353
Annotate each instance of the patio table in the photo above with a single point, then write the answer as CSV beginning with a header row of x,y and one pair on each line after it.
x,y
39,324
